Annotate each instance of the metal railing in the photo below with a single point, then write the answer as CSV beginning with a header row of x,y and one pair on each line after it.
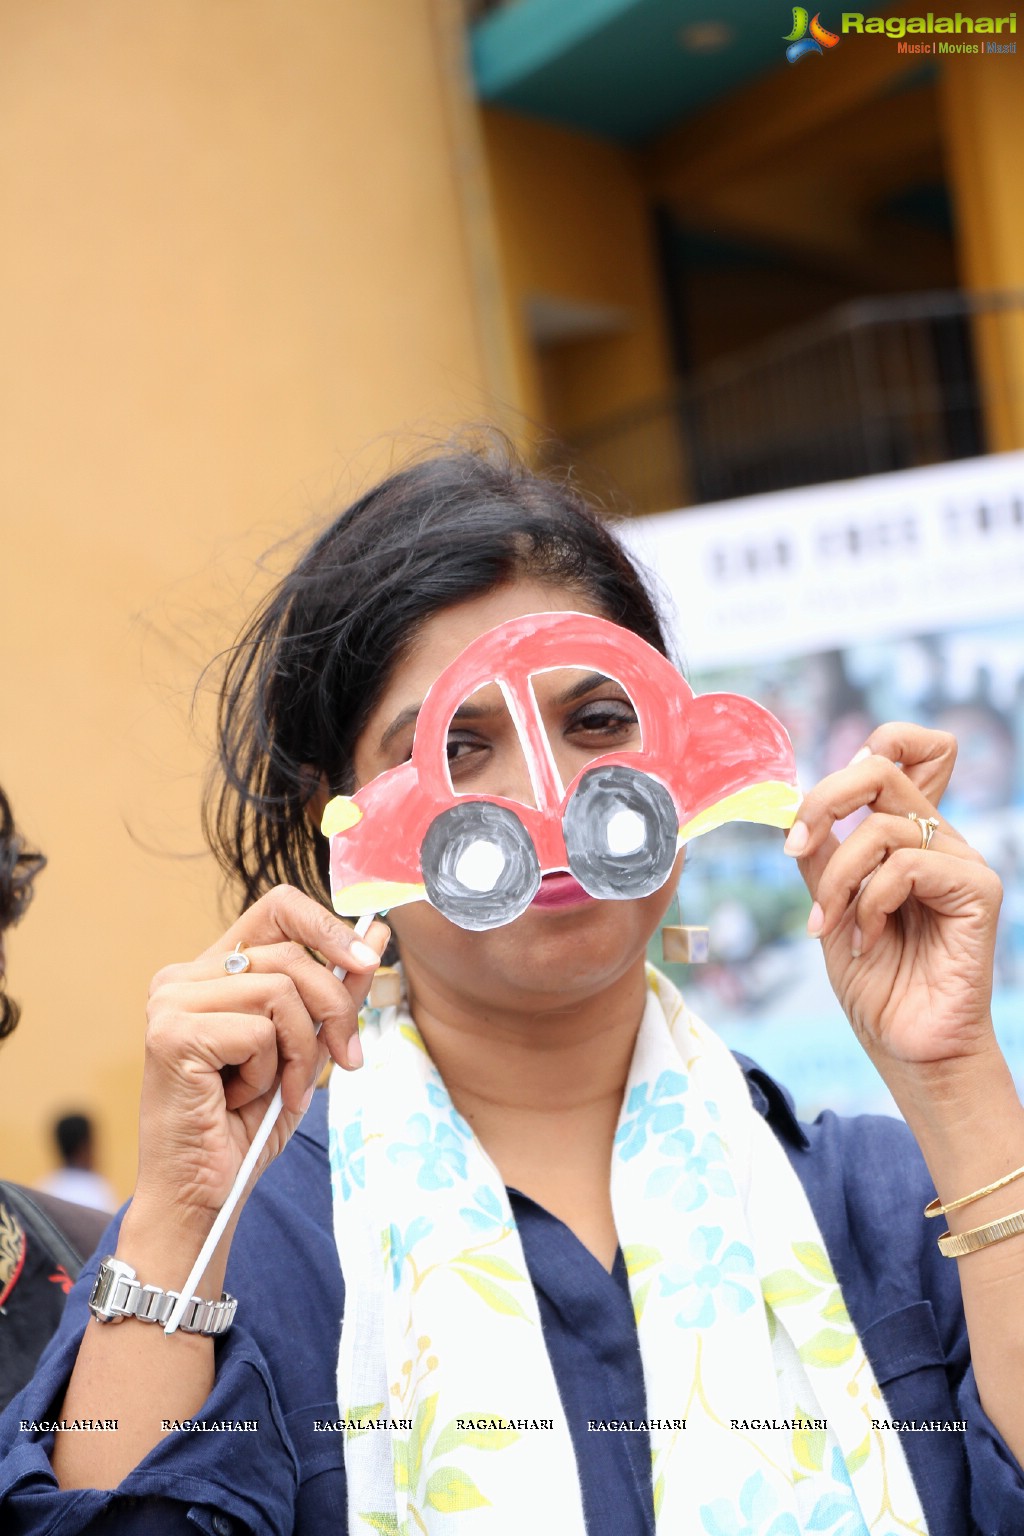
x,y
874,385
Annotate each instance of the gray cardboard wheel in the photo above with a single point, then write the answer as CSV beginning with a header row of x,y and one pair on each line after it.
x,y
621,829
479,865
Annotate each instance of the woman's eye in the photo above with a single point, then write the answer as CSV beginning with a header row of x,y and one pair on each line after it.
x,y
613,718
464,750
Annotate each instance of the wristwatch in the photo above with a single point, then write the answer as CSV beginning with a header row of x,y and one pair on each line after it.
x,y
117,1294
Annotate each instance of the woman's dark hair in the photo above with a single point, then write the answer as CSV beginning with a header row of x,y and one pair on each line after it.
x,y
18,868
310,667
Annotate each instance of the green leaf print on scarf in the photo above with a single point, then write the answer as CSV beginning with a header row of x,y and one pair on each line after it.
x,y
421,1426
451,1437
383,1522
476,1269
448,1489
360,1415
829,1347
808,1445
452,1491
814,1259
638,1257
834,1344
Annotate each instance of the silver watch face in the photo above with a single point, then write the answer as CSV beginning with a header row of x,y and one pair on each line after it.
x,y
110,1291
117,1294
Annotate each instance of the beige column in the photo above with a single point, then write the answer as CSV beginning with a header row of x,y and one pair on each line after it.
x,y
983,114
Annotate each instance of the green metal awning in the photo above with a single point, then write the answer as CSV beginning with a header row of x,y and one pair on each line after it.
x,y
626,69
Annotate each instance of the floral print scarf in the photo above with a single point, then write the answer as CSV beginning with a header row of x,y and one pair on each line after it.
x,y
760,1398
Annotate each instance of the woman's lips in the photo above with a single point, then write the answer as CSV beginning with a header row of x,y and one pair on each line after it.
x,y
560,890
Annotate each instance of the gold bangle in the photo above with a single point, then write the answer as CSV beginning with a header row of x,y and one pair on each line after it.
x,y
980,1237
935,1209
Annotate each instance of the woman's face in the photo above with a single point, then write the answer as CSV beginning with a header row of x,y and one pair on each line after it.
x,y
566,946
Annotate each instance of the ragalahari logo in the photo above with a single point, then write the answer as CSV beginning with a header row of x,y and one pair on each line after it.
x,y
799,41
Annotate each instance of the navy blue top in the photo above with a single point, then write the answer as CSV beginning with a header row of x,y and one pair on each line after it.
x,y
867,1183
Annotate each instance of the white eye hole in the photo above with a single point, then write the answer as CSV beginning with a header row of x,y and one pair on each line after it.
x,y
626,832
480,866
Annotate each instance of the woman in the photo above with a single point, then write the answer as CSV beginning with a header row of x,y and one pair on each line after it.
x,y
529,1093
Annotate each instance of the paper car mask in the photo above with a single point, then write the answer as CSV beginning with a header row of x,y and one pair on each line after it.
x,y
617,827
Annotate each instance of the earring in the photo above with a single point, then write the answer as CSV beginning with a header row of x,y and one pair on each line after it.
x,y
684,945
385,988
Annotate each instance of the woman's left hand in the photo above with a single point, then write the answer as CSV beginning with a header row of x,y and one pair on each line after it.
x,y
908,932
909,938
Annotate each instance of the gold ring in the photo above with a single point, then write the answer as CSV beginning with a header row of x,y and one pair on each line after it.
x,y
928,825
236,962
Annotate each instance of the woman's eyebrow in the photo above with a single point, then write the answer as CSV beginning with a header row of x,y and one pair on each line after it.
x,y
584,686
409,716
402,719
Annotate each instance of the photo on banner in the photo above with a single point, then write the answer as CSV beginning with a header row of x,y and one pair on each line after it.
x,y
891,598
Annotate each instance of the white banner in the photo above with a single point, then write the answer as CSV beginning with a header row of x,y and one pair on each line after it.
x,y
830,565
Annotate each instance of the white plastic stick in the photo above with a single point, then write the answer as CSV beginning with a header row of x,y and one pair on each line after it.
x,y
259,1141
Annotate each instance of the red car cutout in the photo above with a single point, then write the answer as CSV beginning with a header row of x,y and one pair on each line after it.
x,y
616,828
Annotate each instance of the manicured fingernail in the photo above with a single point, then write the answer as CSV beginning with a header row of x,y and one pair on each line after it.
x,y
354,1053
797,840
858,757
856,942
364,954
816,921
307,1098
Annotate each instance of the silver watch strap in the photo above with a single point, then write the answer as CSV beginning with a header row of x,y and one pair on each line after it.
x,y
117,1295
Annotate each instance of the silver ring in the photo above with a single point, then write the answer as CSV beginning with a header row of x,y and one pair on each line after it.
x,y
927,825
236,962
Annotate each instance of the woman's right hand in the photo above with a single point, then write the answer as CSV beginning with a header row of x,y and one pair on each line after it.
x,y
216,1048
218,1044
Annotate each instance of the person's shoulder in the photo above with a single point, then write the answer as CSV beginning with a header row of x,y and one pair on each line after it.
x,y
864,1175
874,1154
868,1184
876,1159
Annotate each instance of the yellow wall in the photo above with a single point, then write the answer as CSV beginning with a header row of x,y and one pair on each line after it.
x,y
234,262
984,119
243,248
803,171
574,224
